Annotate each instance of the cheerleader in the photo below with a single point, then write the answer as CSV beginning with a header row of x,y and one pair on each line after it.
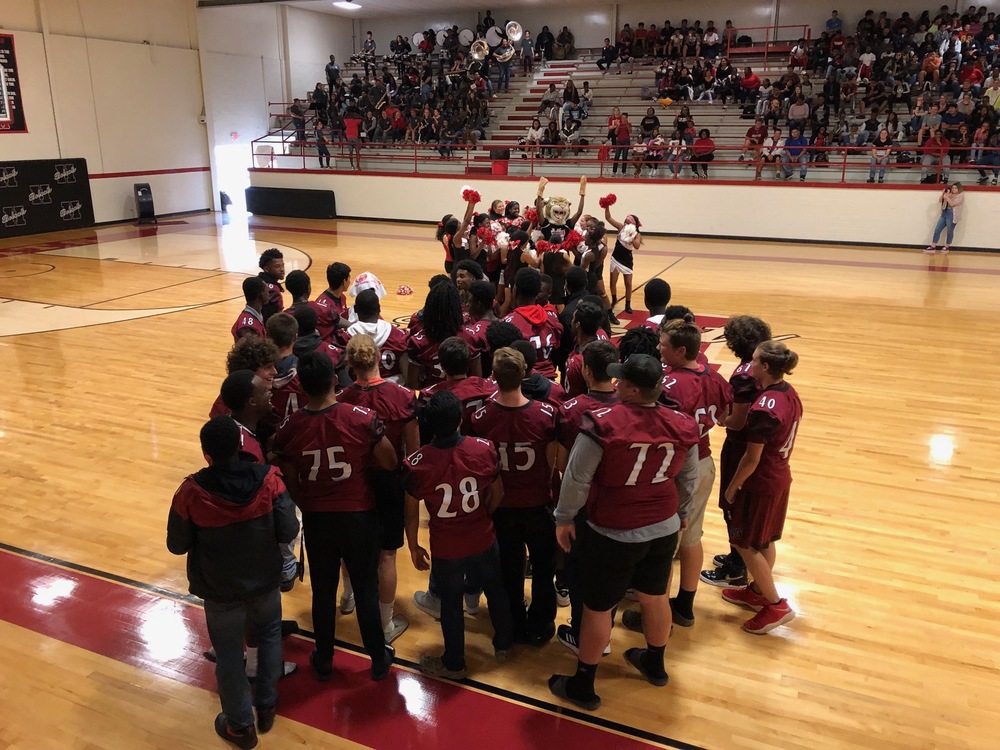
x,y
628,240
595,253
451,235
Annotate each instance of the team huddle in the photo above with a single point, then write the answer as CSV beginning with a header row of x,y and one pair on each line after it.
x,y
538,446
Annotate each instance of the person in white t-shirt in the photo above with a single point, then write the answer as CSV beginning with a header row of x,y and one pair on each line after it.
x,y
770,152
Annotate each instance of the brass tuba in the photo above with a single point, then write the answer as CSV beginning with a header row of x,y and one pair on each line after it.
x,y
479,50
514,31
505,56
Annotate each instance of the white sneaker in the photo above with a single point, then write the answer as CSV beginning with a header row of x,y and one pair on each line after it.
x,y
427,603
397,626
347,603
289,668
471,604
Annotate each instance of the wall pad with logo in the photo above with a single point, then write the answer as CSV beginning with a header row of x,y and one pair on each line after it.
x,y
44,195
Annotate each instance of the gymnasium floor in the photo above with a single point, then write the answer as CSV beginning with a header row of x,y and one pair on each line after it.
x,y
112,344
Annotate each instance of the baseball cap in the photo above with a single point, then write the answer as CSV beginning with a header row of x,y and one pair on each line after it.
x,y
641,369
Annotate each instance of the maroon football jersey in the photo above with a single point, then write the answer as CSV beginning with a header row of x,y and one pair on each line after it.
x,y
250,449
745,390
453,482
329,311
416,324
702,394
392,352
473,392
571,414
478,331
423,351
218,408
394,404
248,323
575,384
644,448
543,329
274,297
522,436
774,421
287,396
330,450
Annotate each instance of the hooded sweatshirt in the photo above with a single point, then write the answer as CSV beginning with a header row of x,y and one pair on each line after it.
x,y
229,521
543,329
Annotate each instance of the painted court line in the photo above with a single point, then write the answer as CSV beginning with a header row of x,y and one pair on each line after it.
x,y
150,629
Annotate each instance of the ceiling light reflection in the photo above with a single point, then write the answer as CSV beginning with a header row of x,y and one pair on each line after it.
x,y
165,632
942,449
51,590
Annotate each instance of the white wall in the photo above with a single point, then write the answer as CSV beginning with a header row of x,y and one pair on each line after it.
x,y
93,89
746,13
312,38
794,212
384,30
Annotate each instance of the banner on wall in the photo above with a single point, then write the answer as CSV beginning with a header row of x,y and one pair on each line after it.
x,y
44,196
11,106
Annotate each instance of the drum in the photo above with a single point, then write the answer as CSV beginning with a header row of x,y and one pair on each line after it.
x,y
494,36
466,37
441,36
417,39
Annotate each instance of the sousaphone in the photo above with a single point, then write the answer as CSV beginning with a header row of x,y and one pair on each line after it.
x,y
514,31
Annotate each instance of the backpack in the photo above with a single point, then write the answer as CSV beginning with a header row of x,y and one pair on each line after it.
x,y
749,112
744,41
646,94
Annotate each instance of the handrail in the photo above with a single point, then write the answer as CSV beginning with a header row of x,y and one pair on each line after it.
x,y
770,37
603,159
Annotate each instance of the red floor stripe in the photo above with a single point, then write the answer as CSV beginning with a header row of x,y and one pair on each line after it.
x,y
166,637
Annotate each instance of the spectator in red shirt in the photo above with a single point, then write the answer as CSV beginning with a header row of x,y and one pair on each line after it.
x,y
935,153
352,132
749,86
754,138
702,152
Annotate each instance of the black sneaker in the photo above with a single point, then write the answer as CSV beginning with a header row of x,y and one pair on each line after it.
x,y
720,560
265,719
323,671
245,738
727,575
628,308
613,319
680,619
381,671
632,620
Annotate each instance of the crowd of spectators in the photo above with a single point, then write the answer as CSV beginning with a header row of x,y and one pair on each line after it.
x,y
911,90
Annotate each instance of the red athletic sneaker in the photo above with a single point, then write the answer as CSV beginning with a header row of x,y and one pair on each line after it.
x,y
746,598
769,618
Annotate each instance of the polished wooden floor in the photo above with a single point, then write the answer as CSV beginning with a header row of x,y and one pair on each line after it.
x,y
112,348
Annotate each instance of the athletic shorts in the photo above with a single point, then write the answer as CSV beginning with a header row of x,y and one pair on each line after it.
x,y
608,568
703,490
388,493
755,519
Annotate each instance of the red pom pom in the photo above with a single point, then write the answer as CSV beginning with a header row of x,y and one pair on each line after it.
x,y
484,234
573,239
531,215
543,247
608,200
404,290
471,196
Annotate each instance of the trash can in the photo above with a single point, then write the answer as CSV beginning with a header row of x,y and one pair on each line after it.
x,y
500,158
144,202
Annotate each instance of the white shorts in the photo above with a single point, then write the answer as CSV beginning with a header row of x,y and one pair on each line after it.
x,y
616,266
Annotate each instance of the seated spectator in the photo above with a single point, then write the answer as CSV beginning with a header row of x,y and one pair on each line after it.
x,y
563,48
655,147
552,140
639,39
930,121
881,151
990,158
649,123
570,98
934,153
624,55
798,115
533,138
796,150
551,98
609,54
799,57
702,152
586,101
755,136
770,152
675,152
711,43
570,133
545,42
749,86
951,121
818,144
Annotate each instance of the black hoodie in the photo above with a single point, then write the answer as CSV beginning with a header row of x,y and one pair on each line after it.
x,y
229,521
